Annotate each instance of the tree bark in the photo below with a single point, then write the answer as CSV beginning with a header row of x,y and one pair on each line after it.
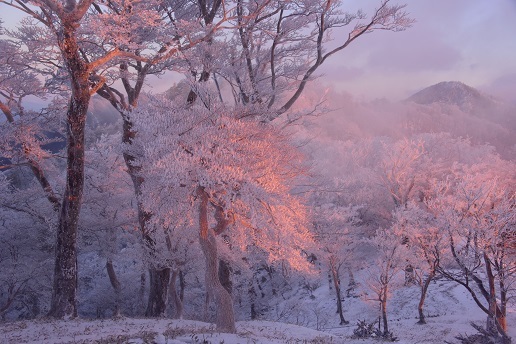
x,y
64,298
141,292
496,321
252,300
384,310
225,318
424,289
158,277
502,316
65,272
157,303
176,299
157,285
115,283
225,276
182,285
192,95
336,282
351,284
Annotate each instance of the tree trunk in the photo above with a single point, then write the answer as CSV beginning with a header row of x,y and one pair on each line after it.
x,y
115,283
157,285
496,321
11,296
182,285
192,95
351,284
384,311
158,277
336,282
252,300
225,318
64,291
141,292
491,317
409,275
225,276
424,289
157,303
176,299
502,314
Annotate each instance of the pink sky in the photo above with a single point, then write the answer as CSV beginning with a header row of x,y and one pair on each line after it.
x,y
472,41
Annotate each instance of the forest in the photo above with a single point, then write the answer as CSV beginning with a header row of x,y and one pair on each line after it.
x,y
247,191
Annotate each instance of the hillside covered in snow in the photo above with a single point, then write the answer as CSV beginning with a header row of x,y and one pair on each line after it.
x,y
450,311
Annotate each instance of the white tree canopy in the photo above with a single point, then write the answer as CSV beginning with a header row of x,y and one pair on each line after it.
x,y
246,168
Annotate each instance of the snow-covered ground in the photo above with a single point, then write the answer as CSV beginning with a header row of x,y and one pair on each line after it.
x,y
449,309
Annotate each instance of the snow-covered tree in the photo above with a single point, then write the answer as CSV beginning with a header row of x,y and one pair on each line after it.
x,y
234,176
426,244
156,32
27,222
400,165
191,29
23,131
280,45
336,231
391,259
82,48
477,215
66,23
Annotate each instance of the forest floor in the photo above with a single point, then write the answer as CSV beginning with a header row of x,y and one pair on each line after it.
x,y
449,313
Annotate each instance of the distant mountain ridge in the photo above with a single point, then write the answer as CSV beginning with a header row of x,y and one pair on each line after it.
x,y
456,93
476,114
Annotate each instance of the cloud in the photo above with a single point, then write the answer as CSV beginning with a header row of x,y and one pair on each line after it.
x,y
336,70
503,87
418,51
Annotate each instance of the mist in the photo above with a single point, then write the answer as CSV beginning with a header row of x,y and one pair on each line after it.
x,y
466,113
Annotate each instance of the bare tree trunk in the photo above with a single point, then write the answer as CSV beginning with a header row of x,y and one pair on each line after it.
x,y
141,293
64,291
206,306
424,289
12,293
383,300
225,318
251,291
409,275
225,276
494,325
336,282
351,284
176,299
115,283
158,277
182,285
134,170
502,315
192,95
157,302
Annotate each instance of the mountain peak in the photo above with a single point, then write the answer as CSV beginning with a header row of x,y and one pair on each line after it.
x,y
453,93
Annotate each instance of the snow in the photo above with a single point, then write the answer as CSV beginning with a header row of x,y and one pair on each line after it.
x,y
449,312
159,331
